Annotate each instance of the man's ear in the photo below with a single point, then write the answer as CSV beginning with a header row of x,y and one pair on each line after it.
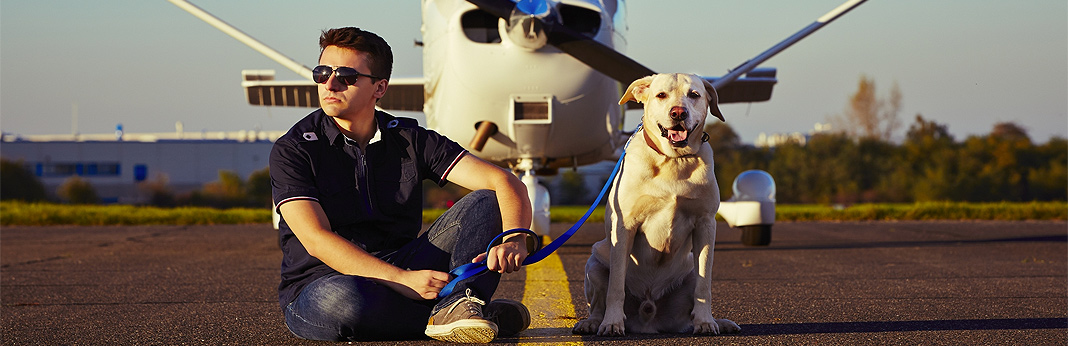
x,y
636,90
380,88
713,100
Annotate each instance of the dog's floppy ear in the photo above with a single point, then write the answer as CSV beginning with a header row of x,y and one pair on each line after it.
x,y
713,100
636,90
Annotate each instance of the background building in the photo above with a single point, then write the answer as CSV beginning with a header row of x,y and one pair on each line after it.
x,y
116,164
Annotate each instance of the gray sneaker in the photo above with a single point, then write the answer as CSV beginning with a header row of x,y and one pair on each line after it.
x,y
511,317
462,322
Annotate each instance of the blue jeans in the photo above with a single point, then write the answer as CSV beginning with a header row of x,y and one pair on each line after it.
x,y
340,307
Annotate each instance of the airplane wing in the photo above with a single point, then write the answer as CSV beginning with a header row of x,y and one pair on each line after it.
x,y
756,86
262,90
405,94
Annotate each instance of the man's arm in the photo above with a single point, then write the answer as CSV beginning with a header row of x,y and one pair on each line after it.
x,y
309,223
473,173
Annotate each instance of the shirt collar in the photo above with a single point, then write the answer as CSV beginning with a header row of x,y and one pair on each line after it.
x,y
378,134
335,136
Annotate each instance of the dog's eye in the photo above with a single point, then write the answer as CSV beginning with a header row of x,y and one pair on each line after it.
x,y
694,94
661,95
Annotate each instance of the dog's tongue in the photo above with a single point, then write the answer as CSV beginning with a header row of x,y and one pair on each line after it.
x,y
676,135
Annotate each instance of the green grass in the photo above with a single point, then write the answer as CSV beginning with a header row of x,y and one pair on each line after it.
x,y
44,214
925,211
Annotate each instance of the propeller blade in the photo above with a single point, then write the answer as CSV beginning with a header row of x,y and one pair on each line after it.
x,y
596,55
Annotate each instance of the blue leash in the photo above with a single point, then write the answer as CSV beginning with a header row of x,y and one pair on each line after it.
x,y
472,269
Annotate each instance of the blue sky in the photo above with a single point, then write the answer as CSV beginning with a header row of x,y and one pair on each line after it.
x,y
147,64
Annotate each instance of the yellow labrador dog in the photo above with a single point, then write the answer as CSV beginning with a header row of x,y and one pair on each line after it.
x,y
653,271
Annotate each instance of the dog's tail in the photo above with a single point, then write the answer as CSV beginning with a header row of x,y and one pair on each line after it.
x,y
647,310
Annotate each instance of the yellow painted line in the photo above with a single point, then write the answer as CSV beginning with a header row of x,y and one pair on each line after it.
x,y
549,299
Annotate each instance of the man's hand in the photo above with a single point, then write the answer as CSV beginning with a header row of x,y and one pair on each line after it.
x,y
473,174
419,284
507,257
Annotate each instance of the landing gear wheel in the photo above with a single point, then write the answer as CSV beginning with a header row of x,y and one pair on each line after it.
x,y
756,235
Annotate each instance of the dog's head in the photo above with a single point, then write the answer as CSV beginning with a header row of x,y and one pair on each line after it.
x,y
674,110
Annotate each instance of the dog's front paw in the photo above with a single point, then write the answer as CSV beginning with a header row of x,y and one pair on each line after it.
x,y
586,327
727,326
611,327
715,327
705,327
704,323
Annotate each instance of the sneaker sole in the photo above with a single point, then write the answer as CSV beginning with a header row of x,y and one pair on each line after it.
x,y
465,331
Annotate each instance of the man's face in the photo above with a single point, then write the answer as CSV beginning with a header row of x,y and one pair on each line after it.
x,y
348,101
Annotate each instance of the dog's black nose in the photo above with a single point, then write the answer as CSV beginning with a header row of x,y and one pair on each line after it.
x,y
678,113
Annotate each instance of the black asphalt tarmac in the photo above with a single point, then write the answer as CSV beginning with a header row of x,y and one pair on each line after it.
x,y
896,283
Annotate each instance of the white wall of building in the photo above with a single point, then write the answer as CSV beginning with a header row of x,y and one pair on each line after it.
x,y
186,164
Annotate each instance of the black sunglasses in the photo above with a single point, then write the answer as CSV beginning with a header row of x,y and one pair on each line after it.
x,y
346,75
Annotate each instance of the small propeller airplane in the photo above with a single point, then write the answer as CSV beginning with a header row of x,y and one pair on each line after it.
x,y
534,84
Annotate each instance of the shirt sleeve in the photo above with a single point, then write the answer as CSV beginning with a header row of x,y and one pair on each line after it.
x,y
292,177
439,155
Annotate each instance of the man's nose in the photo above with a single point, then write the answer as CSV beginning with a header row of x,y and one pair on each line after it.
x,y
333,84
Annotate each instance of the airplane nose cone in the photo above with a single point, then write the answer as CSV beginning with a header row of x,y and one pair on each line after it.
x,y
527,24
527,31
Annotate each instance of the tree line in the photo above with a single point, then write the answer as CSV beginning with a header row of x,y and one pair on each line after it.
x,y
930,165
230,191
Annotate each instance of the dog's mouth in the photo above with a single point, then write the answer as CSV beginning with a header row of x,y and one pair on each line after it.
x,y
677,135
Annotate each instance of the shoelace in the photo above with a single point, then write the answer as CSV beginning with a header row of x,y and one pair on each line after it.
x,y
475,308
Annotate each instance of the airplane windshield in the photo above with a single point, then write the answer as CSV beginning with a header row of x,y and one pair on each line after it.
x,y
480,26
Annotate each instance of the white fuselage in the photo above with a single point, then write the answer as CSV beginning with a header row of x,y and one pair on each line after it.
x,y
571,117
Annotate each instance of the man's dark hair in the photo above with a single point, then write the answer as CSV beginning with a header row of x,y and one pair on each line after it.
x,y
379,55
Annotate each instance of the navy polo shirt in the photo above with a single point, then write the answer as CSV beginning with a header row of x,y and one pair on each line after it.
x,y
373,198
